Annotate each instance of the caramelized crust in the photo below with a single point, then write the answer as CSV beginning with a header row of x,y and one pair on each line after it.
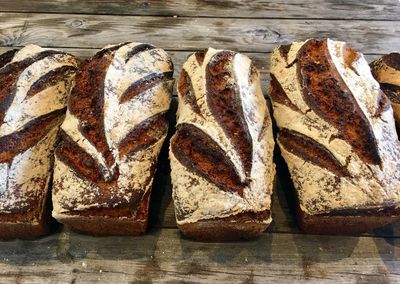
x,y
278,95
143,135
327,95
311,151
202,155
225,105
186,91
34,131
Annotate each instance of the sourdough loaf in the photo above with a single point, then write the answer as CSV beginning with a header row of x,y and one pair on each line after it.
x,y
386,71
35,83
222,152
337,136
111,137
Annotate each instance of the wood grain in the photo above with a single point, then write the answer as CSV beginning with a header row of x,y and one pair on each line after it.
x,y
248,35
289,9
163,255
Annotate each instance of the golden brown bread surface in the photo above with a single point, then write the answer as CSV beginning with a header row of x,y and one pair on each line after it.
x,y
35,85
221,154
111,138
337,136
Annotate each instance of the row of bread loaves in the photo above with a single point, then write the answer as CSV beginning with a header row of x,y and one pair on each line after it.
x,y
80,140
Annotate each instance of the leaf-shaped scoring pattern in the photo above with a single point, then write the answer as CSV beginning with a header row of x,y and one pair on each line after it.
x,y
103,155
312,151
327,95
202,155
224,102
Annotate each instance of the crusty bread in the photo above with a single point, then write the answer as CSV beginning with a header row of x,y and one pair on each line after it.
x,y
386,71
337,136
111,137
222,152
35,83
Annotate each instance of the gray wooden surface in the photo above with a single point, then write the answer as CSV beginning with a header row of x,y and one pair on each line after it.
x,y
282,254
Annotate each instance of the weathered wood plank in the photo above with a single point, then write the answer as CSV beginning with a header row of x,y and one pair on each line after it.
x,y
253,35
163,255
367,9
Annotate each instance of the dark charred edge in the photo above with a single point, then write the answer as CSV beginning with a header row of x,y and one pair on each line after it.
x,y
6,57
392,60
185,88
311,151
9,75
137,49
392,91
50,79
278,94
86,102
83,164
200,56
328,96
382,211
224,103
143,135
195,150
284,51
108,50
18,142
144,84
383,104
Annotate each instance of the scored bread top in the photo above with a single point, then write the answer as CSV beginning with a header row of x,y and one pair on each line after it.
x,y
114,129
337,132
35,83
222,153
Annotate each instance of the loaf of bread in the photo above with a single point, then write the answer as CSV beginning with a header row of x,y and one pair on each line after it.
x,y
111,137
337,136
222,152
35,83
386,71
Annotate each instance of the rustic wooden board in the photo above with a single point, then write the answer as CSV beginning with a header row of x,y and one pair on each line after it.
x,y
163,255
321,9
251,35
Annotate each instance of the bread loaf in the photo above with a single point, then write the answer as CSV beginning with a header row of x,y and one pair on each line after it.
x,y
111,137
35,83
337,136
386,71
222,152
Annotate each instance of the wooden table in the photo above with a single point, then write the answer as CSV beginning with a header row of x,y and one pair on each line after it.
x,y
282,254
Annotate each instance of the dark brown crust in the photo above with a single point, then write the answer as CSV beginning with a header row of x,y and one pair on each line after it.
x,y
138,49
200,56
186,91
284,51
87,99
110,221
200,154
233,228
18,225
392,91
83,164
311,151
225,105
347,223
279,95
19,141
143,135
6,57
392,60
144,84
8,79
328,96
50,79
